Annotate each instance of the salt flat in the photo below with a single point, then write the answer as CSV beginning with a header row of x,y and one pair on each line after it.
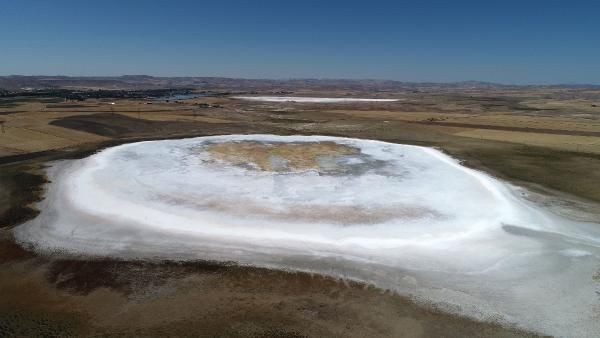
x,y
402,217
301,99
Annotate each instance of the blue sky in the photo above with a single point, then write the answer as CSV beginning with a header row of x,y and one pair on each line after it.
x,y
501,41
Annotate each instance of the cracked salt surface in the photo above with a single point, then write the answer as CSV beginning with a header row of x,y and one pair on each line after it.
x,y
416,222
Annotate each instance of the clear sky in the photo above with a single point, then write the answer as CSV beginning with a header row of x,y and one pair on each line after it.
x,y
505,41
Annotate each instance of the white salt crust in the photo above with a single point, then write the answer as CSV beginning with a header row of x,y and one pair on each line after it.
x,y
456,237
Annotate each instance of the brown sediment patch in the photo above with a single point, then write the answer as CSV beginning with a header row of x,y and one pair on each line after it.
x,y
267,156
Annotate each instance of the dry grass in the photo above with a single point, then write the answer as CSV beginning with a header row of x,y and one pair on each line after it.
x,y
586,144
560,133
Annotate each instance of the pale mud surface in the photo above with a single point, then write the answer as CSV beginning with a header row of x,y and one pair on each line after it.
x,y
401,217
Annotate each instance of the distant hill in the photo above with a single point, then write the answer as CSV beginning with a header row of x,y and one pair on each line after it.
x,y
23,83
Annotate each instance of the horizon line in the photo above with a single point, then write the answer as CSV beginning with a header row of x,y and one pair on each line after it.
x,y
524,84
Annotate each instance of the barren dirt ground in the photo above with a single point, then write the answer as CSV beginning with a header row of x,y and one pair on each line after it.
x,y
546,140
